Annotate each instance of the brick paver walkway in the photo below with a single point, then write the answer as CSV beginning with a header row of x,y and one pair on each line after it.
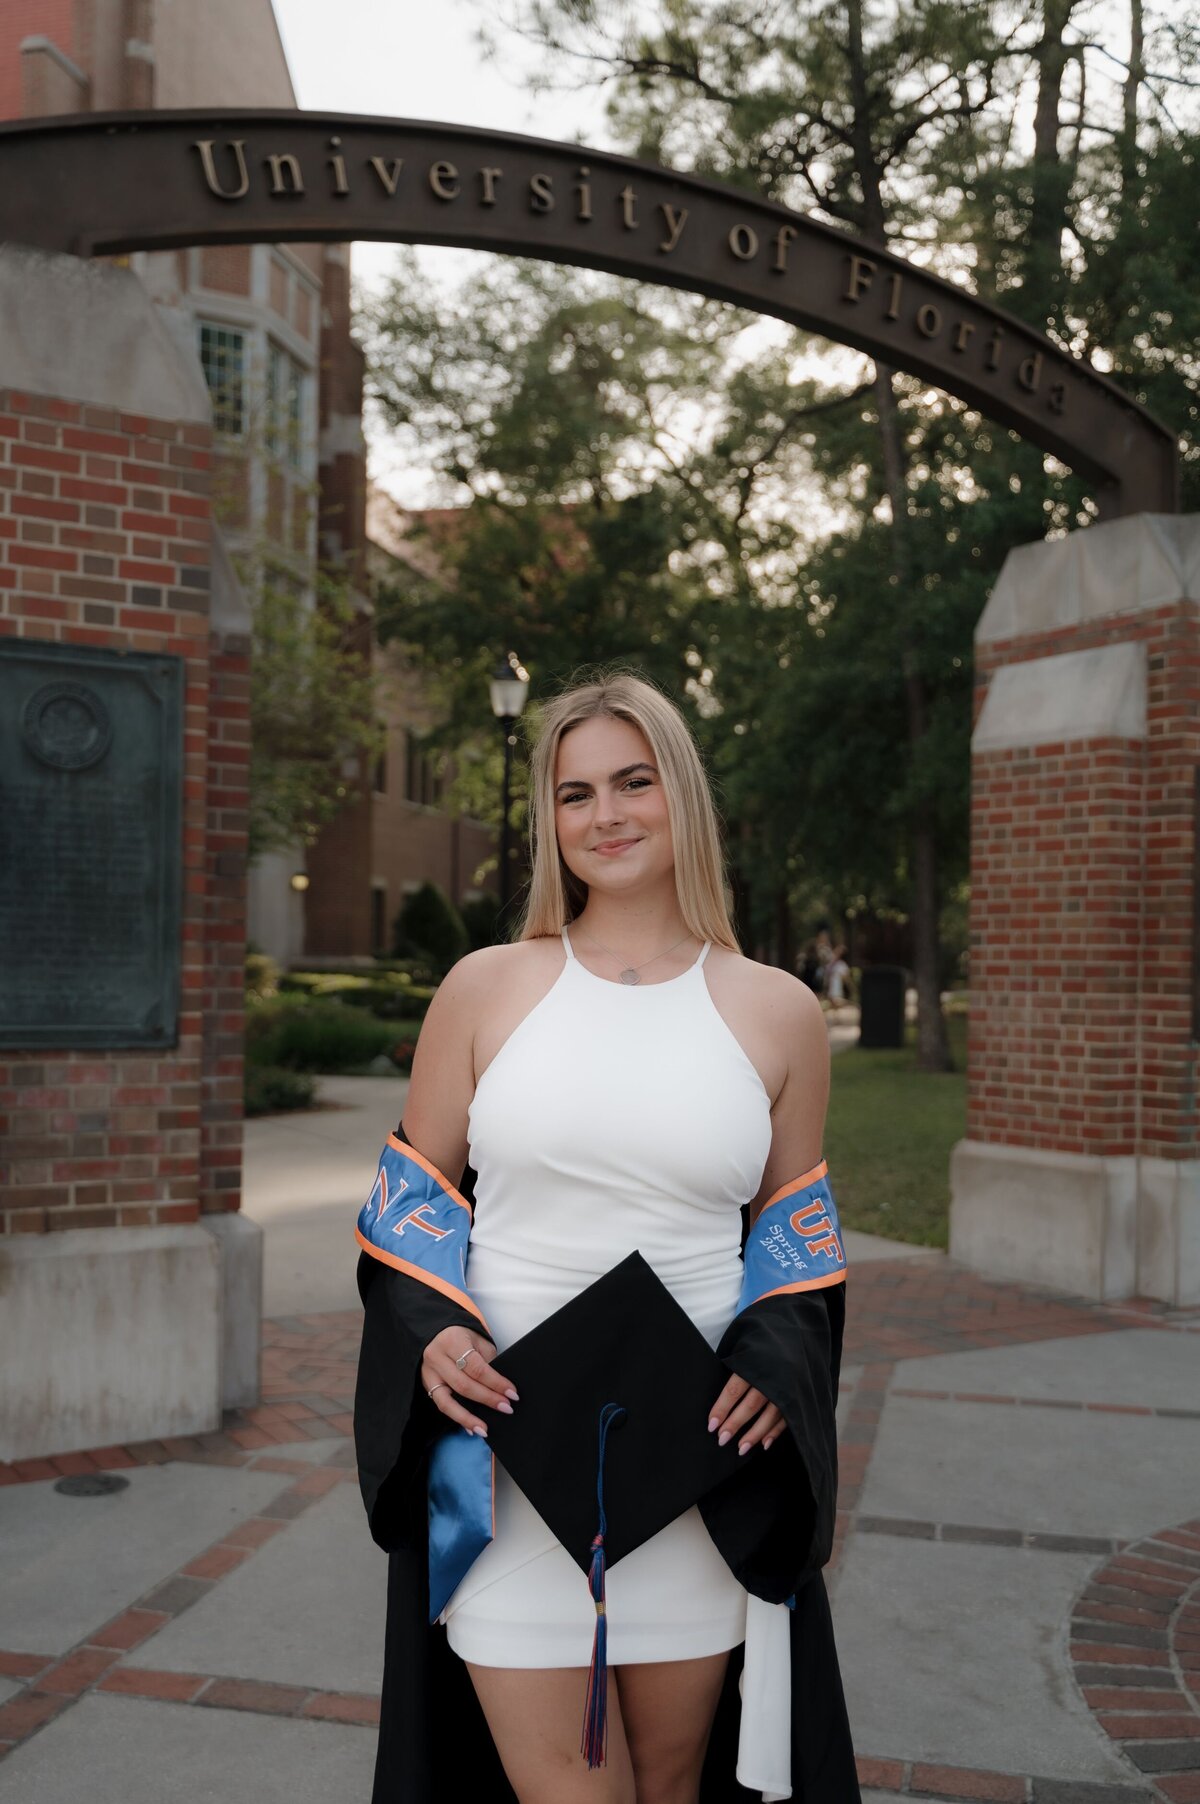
x,y
1135,1630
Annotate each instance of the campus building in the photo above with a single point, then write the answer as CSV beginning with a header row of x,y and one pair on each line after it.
x,y
271,326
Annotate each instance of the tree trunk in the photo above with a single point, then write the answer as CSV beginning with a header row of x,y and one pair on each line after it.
x,y
1130,98
1051,178
933,1050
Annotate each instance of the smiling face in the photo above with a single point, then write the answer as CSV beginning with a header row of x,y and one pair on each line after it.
x,y
610,807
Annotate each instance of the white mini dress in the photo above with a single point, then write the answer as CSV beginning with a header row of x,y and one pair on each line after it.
x,y
615,1118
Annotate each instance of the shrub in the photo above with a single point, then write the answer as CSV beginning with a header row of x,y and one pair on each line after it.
x,y
430,923
262,975
392,996
314,1035
269,1089
480,917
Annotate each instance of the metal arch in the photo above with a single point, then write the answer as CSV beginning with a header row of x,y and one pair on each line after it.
x,y
99,184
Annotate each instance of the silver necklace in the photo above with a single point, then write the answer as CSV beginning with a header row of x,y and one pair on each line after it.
x,y
630,974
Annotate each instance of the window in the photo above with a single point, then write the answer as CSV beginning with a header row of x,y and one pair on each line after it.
x,y
223,360
421,781
379,772
379,932
285,406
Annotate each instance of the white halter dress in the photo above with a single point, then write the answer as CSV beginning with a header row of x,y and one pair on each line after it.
x,y
614,1118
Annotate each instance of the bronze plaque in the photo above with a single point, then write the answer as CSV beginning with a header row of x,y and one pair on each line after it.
x,y
90,846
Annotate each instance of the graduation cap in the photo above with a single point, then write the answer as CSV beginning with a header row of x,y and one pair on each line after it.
x,y
610,1440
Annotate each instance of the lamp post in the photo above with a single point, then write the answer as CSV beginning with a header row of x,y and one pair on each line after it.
x,y
508,686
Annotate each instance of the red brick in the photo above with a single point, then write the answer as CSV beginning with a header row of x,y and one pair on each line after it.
x,y
1180,1788
131,1628
879,1772
23,1666
960,1782
133,1681
216,1562
253,1533
77,1672
343,1707
22,1715
255,1694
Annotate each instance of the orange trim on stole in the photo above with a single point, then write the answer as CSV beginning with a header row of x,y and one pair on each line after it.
x,y
421,1275
427,1165
786,1290
808,1177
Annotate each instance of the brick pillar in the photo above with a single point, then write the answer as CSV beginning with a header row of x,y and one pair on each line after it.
x,y
111,1157
1081,1167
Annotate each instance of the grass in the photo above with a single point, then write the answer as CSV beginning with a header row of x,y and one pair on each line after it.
x,y
888,1139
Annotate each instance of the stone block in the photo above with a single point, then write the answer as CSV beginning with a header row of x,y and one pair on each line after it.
x,y
1038,1216
89,332
108,1335
1169,1231
241,1248
1095,694
1126,566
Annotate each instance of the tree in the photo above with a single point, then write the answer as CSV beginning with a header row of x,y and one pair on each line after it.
x,y
313,712
901,122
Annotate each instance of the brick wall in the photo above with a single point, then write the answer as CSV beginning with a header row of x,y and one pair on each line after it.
x,y
105,539
1081,915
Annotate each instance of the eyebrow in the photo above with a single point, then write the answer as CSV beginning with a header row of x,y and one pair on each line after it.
x,y
615,776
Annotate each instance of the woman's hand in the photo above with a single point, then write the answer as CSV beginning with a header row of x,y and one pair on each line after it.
x,y
743,1411
447,1376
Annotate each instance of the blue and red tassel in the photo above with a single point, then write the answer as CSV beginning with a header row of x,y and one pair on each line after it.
x,y
594,1743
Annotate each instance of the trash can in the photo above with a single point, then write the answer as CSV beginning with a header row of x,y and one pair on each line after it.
x,y
881,1010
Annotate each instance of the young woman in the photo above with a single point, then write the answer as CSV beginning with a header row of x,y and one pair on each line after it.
x,y
620,1078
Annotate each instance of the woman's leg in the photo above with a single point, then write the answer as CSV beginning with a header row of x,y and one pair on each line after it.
x,y
667,1709
536,1720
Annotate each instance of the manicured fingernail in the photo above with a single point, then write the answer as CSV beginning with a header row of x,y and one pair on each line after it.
x,y
713,1422
504,1408
512,1396
479,1429
724,1438
767,1442
744,1447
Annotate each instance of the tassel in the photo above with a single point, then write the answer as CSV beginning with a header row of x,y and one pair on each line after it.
x,y
594,1742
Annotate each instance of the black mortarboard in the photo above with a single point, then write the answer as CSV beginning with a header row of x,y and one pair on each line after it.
x,y
610,1438
623,1340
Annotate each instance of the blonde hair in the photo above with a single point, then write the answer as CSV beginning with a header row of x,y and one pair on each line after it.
x,y
556,895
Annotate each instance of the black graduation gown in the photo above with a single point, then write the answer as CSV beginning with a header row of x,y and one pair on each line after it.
x,y
772,1522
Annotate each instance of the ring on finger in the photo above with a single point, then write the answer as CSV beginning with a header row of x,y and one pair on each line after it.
x,y
443,1386
461,1361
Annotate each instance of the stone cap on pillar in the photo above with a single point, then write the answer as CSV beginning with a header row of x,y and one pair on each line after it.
x,y
90,333
1124,566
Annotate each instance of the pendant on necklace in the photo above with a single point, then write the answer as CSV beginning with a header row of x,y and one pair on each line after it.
x,y
629,976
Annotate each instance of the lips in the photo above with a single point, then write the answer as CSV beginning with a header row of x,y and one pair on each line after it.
x,y
614,845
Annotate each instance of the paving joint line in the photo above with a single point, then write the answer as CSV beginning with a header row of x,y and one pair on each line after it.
x,y
58,1681
1092,1408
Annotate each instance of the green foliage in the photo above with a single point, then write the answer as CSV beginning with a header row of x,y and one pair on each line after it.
x,y
262,975
481,918
313,712
317,1035
390,995
888,1138
429,923
269,1090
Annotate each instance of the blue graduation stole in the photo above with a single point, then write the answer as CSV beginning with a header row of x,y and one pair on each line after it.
x,y
795,1241
416,1221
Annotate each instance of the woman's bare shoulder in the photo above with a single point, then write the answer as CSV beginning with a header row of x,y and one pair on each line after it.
x,y
479,973
775,995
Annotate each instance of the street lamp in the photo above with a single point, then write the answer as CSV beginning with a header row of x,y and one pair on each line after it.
x,y
508,686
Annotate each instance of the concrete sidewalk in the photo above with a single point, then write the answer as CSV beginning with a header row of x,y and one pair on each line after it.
x,y
1016,1584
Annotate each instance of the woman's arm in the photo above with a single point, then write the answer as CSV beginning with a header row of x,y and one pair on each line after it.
x,y
798,1124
